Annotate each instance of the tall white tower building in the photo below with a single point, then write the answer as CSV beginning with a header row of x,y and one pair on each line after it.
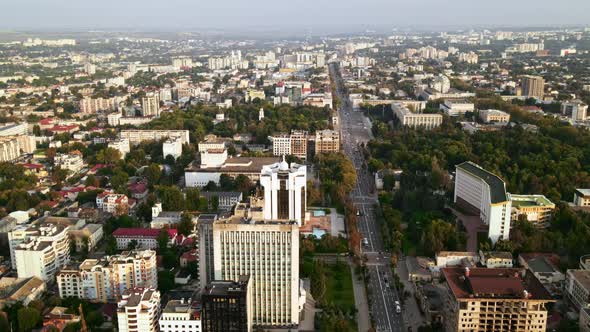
x,y
285,189
261,114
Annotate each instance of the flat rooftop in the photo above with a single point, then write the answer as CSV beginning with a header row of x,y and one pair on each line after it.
x,y
497,185
530,200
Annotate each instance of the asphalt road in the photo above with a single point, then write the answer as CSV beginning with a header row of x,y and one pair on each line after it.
x,y
356,129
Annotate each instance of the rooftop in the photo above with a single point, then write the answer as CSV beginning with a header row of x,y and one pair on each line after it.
x,y
503,283
530,200
497,185
582,276
583,192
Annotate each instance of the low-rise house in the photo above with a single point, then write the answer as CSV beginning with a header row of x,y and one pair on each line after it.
x,y
496,259
145,238
226,200
456,258
58,318
419,268
544,267
116,204
89,236
164,219
16,290
538,209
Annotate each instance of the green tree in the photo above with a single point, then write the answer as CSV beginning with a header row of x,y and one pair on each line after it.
x,y
108,156
28,319
192,199
171,198
185,227
163,240
153,174
111,245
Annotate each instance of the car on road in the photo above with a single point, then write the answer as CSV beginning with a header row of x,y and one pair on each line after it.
x,y
398,309
397,303
365,242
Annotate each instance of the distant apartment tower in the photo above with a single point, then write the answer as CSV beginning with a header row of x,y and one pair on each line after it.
x,y
484,193
327,141
284,191
533,86
499,300
267,251
150,104
92,105
206,269
281,145
227,306
299,144
139,310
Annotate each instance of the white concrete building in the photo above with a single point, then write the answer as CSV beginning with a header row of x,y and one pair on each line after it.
x,y
488,116
285,189
39,250
415,120
139,310
456,107
150,104
213,158
137,136
121,145
72,162
576,109
456,258
106,279
180,316
172,147
484,193
268,252
13,147
281,145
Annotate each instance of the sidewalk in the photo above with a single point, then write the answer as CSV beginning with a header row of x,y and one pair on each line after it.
x,y
361,302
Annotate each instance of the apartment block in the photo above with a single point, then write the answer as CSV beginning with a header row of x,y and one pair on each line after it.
x,y
494,300
139,310
137,136
327,141
415,120
107,278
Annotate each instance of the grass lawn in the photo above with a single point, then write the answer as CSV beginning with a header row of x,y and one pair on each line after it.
x,y
339,291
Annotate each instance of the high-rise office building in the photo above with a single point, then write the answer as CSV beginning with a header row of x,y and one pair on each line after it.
x,y
285,188
267,251
205,228
533,86
227,306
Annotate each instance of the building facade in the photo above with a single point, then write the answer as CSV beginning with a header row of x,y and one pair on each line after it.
x,y
285,190
484,193
269,253
227,306
139,310
533,86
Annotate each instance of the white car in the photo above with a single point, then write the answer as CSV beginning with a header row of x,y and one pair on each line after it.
x,y
398,309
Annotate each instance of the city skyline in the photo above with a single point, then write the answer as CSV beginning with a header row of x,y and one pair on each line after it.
x,y
270,17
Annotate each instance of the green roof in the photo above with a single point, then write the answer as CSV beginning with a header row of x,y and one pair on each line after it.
x,y
530,200
497,185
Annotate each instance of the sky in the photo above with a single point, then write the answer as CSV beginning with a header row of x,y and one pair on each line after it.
x,y
239,15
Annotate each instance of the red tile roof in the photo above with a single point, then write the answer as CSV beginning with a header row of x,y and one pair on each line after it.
x,y
494,283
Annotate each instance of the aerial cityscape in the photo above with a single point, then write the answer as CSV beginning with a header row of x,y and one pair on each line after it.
x,y
259,166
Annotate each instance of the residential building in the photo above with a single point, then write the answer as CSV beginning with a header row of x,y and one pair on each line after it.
x,y
415,120
577,287
22,291
318,100
496,259
274,246
252,94
327,141
494,300
299,144
576,109
180,316
121,145
456,107
226,200
281,145
117,204
107,278
59,318
72,162
227,306
484,194
538,209
533,86
285,190
87,237
13,147
144,238
172,147
139,310
150,104
489,116
39,250
137,136
14,129
93,105
545,268
164,219
582,197
456,258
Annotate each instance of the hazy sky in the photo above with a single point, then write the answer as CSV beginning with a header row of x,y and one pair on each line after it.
x,y
240,14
